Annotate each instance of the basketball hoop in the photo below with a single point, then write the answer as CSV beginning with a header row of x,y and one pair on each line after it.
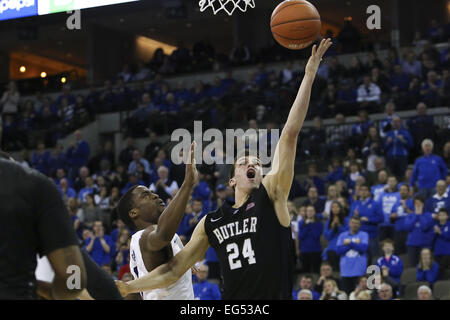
x,y
226,5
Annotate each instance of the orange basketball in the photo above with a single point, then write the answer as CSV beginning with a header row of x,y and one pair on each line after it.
x,y
295,24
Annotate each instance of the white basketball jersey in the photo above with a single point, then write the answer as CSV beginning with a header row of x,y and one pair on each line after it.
x,y
180,290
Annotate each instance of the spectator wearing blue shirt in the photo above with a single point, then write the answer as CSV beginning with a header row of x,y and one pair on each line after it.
x,y
397,144
336,224
431,89
412,66
428,169
420,226
190,220
58,160
305,283
389,263
421,126
378,189
314,180
203,192
442,241
385,125
90,188
133,180
137,158
40,160
352,246
203,289
427,269
440,200
335,171
400,210
388,199
66,191
309,231
78,154
399,80
370,214
99,245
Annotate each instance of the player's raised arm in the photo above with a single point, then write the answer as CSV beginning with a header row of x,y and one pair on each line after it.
x,y
170,219
168,273
278,181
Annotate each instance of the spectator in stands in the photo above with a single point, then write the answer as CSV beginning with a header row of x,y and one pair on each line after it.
x,y
40,160
442,241
77,154
74,213
133,180
391,265
310,230
420,226
403,207
335,171
305,283
399,80
397,145
332,292
439,200
346,97
126,155
313,144
378,189
313,180
337,136
385,292
10,100
427,269
360,288
137,158
424,293
203,289
304,294
153,147
203,192
373,148
360,129
352,246
411,65
388,199
370,215
431,90
90,212
349,38
326,272
385,125
446,154
332,196
89,188
164,187
66,191
314,200
58,159
421,127
336,224
369,94
353,175
240,54
428,169
99,245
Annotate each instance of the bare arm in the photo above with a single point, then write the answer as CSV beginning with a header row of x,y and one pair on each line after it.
x,y
279,180
170,220
90,245
170,272
60,260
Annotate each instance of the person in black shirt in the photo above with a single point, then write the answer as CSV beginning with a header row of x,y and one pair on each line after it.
x,y
34,221
253,237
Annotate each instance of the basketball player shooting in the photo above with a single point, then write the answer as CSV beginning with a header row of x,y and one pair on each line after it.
x,y
252,237
156,242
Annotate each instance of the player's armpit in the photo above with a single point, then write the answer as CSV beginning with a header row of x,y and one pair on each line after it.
x,y
168,273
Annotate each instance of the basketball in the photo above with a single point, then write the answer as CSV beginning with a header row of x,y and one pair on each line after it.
x,y
295,24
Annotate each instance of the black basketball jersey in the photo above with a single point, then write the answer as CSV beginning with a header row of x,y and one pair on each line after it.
x,y
253,248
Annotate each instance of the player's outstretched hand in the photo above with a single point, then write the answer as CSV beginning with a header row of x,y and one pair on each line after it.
x,y
191,176
123,287
316,56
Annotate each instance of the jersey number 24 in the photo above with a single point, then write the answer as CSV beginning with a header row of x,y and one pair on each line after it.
x,y
247,252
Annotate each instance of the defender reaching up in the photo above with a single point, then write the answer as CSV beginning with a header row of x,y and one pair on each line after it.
x,y
252,238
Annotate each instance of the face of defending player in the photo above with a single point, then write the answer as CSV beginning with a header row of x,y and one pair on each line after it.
x,y
148,206
247,174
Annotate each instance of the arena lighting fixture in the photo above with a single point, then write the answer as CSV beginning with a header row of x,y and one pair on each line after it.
x,y
63,80
43,74
22,69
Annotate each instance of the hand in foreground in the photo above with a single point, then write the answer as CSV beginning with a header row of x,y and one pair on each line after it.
x,y
191,176
123,287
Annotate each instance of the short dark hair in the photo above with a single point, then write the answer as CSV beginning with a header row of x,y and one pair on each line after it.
x,y
125,205
420,197
364,185
355,218
443,210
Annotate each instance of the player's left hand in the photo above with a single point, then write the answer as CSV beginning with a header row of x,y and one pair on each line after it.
x,y
316,56
123,287
191,175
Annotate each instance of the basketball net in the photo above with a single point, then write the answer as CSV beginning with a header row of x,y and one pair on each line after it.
x,y
226,5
